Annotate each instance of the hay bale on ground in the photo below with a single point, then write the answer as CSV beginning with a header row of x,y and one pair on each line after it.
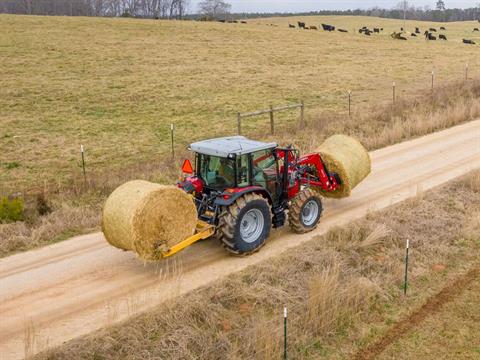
x,y
146,218
348,158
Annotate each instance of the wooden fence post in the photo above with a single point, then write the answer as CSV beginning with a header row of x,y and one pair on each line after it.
x,y
466,72
349,103
82,151
433,77
272,121
172,139
239,124
393,92
302,114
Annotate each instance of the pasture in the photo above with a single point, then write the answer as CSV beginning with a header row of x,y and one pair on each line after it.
x,y
116,85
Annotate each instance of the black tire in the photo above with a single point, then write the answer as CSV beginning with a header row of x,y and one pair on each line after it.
x,y
229,231
302,219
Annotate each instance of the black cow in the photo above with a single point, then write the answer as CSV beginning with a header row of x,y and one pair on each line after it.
x,y
342,30
442,37
476,29
291,26
398,36
433,30
429,36
417,30
301,25
222,21
442,28
467,41
243,22
313,28
413,34
327,27
376,30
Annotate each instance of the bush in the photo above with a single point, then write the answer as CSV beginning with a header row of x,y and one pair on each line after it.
x,y
11,210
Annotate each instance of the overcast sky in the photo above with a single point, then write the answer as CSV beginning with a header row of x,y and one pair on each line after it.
x,y
313,5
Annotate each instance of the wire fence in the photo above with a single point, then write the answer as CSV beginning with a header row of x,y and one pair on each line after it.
x,y
171,140
297,330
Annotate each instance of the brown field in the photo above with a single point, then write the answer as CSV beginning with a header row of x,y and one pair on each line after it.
x,y
116,85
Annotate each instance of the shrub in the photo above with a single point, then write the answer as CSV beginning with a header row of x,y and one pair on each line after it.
x,y
11,209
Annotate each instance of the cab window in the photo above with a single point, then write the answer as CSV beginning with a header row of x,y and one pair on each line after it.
x,y
217,172
265,170
243,176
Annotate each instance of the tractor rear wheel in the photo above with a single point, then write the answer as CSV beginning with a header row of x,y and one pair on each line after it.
x,y
305,211
244,226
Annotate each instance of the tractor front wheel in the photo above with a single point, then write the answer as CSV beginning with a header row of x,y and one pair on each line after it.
x,y
244,226
305,211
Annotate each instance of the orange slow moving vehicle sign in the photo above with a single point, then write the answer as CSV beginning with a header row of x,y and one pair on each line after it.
x,y
187,167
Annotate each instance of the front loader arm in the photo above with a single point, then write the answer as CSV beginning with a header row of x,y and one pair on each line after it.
x,y
320,177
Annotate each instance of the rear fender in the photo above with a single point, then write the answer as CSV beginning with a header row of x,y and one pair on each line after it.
x,y
229,196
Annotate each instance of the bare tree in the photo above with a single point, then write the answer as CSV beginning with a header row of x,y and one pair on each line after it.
x,y
440,5
214,9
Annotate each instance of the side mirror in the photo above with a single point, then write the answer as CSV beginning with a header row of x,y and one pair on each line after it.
x,y
187,167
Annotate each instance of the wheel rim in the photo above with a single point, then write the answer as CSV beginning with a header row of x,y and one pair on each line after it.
x,y
251,226
310,213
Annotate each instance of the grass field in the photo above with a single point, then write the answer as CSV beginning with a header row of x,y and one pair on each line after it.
x,y
115,85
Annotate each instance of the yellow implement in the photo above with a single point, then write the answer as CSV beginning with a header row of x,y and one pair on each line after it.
x,y
202,232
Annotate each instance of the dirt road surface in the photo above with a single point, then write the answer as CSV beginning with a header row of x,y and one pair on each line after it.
x,y
53,294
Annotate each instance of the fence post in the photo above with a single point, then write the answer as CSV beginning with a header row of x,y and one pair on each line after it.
x,y
405,284
433,76
239,124
349,103
82,151
466,72
393,92
285,356
302,114
173,144
272,121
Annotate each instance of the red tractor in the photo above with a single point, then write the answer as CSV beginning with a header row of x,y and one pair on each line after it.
x,y
243,187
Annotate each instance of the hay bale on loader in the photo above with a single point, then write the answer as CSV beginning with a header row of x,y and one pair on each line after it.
x,y
348,158
148,218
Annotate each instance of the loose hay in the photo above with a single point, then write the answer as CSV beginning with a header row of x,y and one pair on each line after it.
x,y
348,158
147,218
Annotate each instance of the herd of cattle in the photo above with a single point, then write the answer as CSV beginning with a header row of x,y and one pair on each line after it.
x,y
402,35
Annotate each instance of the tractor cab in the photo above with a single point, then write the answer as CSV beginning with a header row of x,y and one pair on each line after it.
x,y
235,163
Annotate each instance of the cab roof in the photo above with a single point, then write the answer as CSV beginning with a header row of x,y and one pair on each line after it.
x,y
229,146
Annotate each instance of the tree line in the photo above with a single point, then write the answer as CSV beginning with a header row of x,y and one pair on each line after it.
x,y
114,8
411,13
216,9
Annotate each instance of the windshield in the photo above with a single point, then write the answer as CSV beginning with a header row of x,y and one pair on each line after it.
x,y
217,172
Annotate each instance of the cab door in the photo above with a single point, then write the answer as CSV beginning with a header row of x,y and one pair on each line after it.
x,y
264,167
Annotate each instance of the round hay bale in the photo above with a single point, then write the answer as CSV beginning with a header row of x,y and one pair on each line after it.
x,y
148,218
348,158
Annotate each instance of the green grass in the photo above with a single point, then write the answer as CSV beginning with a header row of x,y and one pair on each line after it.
x,y
115,85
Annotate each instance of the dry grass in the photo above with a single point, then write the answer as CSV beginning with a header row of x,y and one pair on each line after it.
x,y
118,94
377,126
64,222
473,181
340,297
451,333
115,85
